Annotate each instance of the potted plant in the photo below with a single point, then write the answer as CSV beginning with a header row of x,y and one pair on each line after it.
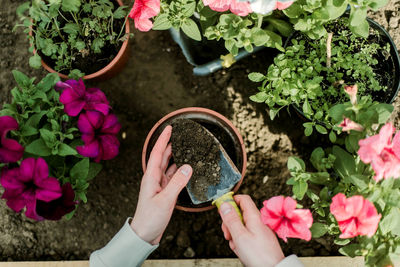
x,y
311,74
220,127
53,136
79,38
206,30
353,194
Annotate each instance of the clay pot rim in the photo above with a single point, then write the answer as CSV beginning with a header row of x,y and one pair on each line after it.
x,y
102,71
197,110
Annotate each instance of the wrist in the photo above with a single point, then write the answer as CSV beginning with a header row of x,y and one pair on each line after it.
x,y
140,232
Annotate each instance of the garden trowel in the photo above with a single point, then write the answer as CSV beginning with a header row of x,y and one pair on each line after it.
x,y
230,176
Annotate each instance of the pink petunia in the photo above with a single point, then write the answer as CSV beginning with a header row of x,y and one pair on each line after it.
x,y
347,125
280,214
76,98
10,149
382,152
355,216
236,7
352,90
99,135
27,184
283,5
142,11
266,6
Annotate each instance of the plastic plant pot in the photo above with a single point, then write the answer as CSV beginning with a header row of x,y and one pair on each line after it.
x,y
220,126
393,90
110,70
205,55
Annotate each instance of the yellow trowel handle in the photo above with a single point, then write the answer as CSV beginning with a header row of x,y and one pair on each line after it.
x,y
228,197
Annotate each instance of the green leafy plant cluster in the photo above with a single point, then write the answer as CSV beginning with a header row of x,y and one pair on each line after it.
x,y
338,170
311,16
198,21
67,30
46,131
302,76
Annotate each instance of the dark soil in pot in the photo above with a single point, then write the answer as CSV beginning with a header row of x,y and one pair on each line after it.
x,y
191,144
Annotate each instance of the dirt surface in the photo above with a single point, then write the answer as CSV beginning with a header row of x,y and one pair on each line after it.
x,y
158,80
192,144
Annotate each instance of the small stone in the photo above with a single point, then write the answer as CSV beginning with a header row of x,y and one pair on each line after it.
x,y
265,179
189,253
169,238
183,239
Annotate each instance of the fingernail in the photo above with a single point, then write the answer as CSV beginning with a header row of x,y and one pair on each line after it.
x,y
225,208
186,169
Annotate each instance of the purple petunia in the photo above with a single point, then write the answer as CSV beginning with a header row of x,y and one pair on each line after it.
x,y
56,209
28,183
99,135
76,98
10,150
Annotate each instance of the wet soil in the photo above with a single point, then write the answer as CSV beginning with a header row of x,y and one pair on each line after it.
x,y
156,81
192,144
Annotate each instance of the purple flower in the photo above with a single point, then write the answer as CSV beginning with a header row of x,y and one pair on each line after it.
x,y
56,209
99,135
10,150
76,97
28,183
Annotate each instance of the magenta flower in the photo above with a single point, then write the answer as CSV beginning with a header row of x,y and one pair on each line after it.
x,y
28,183
56,209
141,13
10,150
348,125
76,97
99,135
382,152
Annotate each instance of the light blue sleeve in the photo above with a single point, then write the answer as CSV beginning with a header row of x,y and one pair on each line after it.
x,y
126,249
290,261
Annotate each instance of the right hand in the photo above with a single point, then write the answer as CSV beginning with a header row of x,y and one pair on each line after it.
x,y
253,242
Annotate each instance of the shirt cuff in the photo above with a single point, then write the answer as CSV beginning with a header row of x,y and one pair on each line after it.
x,y
290,261
125,249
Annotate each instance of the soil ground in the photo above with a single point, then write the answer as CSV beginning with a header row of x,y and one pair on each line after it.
x,y
156,81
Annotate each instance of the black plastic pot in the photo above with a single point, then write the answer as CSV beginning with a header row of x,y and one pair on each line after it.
x,y
386,97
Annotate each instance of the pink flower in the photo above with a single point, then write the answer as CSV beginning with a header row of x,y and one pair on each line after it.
x,y
266,6
28,183
382,152
348,125
99,135
142,11
10,150
355,215
283,5
351,90
76,97
236,7
280,214
56,209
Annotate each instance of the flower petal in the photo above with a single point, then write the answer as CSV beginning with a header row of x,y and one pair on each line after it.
x,y
111,125
90,150
110,146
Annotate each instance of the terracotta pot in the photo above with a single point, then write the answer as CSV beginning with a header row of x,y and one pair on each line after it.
x,y
211,120
113,68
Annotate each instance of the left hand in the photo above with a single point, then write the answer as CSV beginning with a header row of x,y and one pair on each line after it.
x,y
159,191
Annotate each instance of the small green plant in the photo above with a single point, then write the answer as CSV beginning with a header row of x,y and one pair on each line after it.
x,y
311,75
68,32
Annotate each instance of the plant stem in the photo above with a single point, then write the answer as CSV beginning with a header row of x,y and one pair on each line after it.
x,y
123,27
59,12
58,29
260,20
329,50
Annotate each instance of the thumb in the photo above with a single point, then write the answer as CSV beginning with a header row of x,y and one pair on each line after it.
x,y
177,183
231,220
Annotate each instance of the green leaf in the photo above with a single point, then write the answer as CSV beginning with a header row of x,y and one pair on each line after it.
x,y
35,61
120,12
308,128
336,112
391,222
189,8
27,130
321,129
66,150
282,26
82,196
344,163
80,170
94,170
384,111
21,79
361,181
332,137
97,44
48,82
21,9
70,5
256,77
307,108
316,156
162,22
357,16
341,242
71,28
48,137
70,215
318,230
259,36
299,189
189,27
361,30
259,97
39,148
351,250
296,164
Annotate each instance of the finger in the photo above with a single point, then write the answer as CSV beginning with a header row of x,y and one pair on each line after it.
x,y
176,184
166,157
251,215
232,246
159,148
232,220
171,171
225,230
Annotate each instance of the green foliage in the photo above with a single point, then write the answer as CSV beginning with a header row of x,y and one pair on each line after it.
x,y
67,30
310,16
301,77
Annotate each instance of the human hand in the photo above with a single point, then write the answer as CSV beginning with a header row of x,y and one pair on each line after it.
x,y
159,191
253,242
